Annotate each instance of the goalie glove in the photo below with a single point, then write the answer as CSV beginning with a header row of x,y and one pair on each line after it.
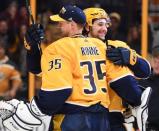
x,y
121,56
19,116
33,37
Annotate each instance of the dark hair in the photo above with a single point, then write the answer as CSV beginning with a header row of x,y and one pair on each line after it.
x,y
94,20
155,51
85,32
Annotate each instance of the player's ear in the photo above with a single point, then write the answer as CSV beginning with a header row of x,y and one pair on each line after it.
x,y
74,26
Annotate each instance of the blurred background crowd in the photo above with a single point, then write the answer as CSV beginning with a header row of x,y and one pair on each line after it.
x,y
126,26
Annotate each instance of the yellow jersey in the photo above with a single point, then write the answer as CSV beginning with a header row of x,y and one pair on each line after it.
x,y
80,64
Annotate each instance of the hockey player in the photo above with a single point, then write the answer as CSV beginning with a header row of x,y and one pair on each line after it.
x,y
119,53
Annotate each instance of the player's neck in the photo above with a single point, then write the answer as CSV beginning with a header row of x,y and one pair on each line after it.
x,y
75,32
77,35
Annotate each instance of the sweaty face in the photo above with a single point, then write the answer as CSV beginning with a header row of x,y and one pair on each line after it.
x,y
99,29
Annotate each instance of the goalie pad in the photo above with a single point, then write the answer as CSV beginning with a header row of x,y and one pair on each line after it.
x,y
1,125
141,112
45,124
8,108
128,116
23,117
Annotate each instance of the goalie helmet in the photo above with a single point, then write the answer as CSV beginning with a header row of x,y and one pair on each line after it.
x,y
96,13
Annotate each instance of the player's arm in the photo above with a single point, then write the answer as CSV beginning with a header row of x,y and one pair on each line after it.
x,y
127,88
141,68
33,62
56,81
128,57
122,81
32,41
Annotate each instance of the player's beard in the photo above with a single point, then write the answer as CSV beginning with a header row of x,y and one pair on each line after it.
x,y
62,32
101,37
97,35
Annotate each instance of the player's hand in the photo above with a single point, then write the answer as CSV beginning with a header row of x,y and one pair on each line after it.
x,y
121,56
33,36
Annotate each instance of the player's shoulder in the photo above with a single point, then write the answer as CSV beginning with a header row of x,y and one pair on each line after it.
x,y
62,47
57,44
117,43
61,41
97,42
